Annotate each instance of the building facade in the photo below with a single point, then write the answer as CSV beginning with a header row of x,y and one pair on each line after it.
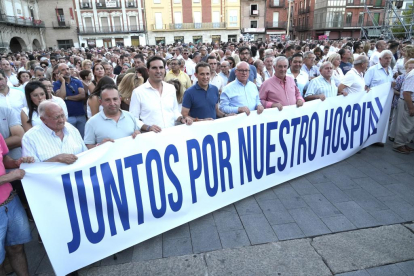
x,y
277,19
60,22
194,21
253,16
20,26
303,13
110,23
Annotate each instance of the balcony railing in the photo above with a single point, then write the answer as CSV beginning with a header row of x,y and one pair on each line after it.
x,y
21,21
108,5
336,25
254,13
276,25
305,10
108,30
358,4
189,26
280,4
61,25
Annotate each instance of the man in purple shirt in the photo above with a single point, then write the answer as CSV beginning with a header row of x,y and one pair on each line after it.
x,y
280,90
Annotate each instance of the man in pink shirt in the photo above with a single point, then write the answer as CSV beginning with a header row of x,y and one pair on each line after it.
x,y
280,90
14,226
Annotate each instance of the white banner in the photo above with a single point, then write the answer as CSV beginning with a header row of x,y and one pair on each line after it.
x,y
120,194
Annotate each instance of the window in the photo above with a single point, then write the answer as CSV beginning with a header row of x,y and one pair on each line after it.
x,y
104,24
350,1
348,18
253,24
157,1
133,23
117,24
216,1
254,10
158,21
131,3
65,44
178,23
233,18
88,24
361,18
177,1
376,18
216,19
276,3
196,1
197,20
276,19
60,17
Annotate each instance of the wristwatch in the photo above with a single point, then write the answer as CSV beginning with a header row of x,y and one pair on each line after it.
x,y
66,98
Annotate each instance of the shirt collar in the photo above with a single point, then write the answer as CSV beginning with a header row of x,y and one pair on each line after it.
x,y
239,82
102,114
198,87
51,132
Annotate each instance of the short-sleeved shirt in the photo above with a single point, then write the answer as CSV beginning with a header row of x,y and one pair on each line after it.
x,y
354,82
42,143
14,99
345,67
75,108
202,103
408,85
252,73
100,127
377,75
319,85
8,119
6,188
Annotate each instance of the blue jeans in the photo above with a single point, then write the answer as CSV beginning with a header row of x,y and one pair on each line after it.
x,y
78,122
14,226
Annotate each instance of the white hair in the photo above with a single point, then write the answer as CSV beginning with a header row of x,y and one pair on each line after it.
x,y
385,52
324,64
44,105
242,62
279,58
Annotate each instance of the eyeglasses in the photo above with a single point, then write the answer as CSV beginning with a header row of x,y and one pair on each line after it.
x,y
213,63
173,64
244,53
243,71
185,53
56,118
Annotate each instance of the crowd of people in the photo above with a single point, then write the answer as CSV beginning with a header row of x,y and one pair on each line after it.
x,y
56,104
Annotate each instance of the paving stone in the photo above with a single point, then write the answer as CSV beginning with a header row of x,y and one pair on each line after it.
x,y
405,178
350,170
206,240
407,167
317,177
202,224
234,239
258,229
179,266
122,257
303,186
181,231
332,192
354,273
247,206
342,181
275,212
45,267
386,217
365,248
289,197
373,187
227,221
355,214
338,223
295,257
288,231
411,226
265,195
384,166
403,190
35,252
309,222
386,270
320,205
407,267
399,206
176,247
148,250
364,199
376,174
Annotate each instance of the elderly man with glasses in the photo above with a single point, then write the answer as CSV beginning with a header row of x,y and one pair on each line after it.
x,y
176,73
241,95
309,66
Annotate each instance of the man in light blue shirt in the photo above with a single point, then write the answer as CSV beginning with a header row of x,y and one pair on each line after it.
x,y
244,54
381,72
241,95
309,66
323,86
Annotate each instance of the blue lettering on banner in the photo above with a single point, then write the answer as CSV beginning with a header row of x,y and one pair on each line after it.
x,y
153,155
245,154
174,205
345,140
355,122
302,138
132,162
270,147
327,132
225,162
336,136
282,165
294,123
70,204
364,105
258,173
194,173
314,121
209,140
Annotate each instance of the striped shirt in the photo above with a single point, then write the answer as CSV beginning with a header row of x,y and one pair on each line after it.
x,y
319,86
42,143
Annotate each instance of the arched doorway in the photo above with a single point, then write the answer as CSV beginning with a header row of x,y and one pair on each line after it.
x,y
17,44
36,45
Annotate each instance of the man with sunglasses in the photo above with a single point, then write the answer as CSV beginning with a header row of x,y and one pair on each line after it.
x,y
244,54
71,90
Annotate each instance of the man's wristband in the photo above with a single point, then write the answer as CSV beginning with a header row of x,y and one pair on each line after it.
x,y
148,128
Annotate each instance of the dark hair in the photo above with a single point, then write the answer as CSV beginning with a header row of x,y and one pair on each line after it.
x,y
109,86
154,58
297,55
289,48
342,52
253,50
298,48
141,57
3,74
93,69
202,64
119,78
211,57
84,73
234,62
177,86
101,83
21,73
144,72
30,87
241,49
356,45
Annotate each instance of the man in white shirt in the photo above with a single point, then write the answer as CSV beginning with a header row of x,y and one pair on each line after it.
x,y
10,97
381,46
301,78
268,70
225,71
155,102
190,66
11,77
215,79
354,82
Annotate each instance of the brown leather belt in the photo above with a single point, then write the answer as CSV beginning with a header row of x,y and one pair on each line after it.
x,y
9,199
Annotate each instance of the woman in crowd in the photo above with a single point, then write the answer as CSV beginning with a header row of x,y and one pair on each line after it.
x,y
142,72
98,73
177,85
128,84
58,100
86,78
260,74
93,105
125,67
119,79
86,64
23,77
35,93
231,62
78,63
337,74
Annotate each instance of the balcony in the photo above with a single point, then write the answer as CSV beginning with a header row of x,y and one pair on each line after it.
x,y
254,13
188,26
276,4
85,5
61,25
348,25
21,21
108,5
303,11
360,4
108,30
276,25
131,5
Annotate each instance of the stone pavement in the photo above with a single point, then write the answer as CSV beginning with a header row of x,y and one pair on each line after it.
x,y
352,218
